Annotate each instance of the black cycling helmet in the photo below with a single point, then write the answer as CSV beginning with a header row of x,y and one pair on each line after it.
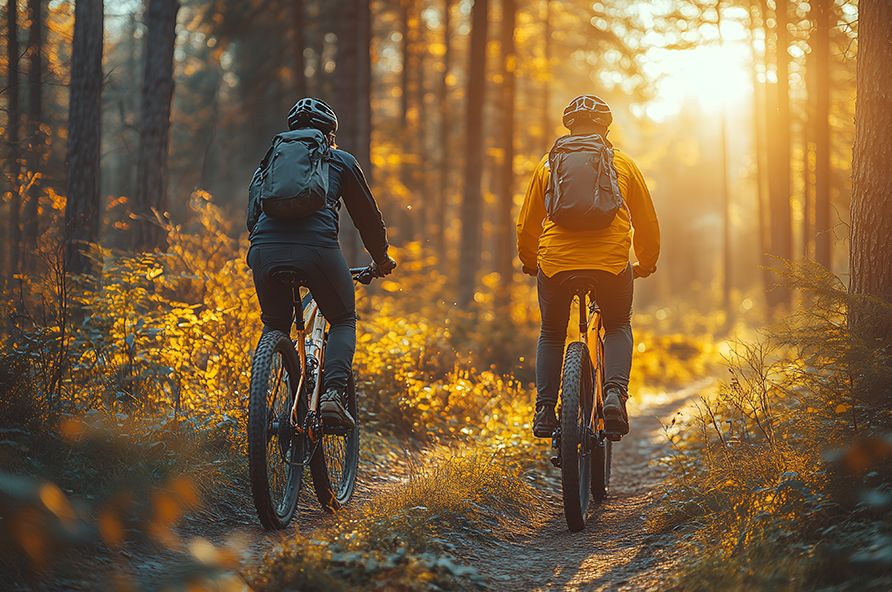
x,y
313,113
587,108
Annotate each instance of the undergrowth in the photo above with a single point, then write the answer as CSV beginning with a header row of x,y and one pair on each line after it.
x,y
783,480
457,500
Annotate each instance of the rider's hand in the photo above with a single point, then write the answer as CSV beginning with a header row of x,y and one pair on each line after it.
x,y
383,268
533,271
638,272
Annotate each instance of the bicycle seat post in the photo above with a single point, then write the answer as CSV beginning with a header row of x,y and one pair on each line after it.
x,y
583,317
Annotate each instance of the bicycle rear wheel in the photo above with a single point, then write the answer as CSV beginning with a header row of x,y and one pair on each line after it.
x,y
576,407
274,448
336,461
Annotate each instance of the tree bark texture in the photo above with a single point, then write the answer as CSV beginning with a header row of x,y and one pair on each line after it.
x,y
505,235
15,169
154,136
35,139
870,256
84,114
354,102
779,154
443,136
472,200
823,251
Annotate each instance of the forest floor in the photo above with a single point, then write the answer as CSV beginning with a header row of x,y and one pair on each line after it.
x,y
616,551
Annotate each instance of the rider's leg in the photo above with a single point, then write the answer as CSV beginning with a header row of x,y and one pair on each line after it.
x,y
615,300
554,308
276,300
331,284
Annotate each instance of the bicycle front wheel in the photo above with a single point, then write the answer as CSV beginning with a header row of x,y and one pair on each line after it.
x,y
576,408
275,451
336,461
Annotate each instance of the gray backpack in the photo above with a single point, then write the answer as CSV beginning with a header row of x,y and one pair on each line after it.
x,y
292,179
583,190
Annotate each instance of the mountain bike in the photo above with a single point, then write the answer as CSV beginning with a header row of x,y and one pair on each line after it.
x,y
584,447
285,430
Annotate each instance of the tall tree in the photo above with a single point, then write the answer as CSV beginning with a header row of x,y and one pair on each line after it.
x,y
300,44
821,48
354,101
84,110
505,244
154,135
778,121
443,136
31,226
870,255
15,169
546,88
472,200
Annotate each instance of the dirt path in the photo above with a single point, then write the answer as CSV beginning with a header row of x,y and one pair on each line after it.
x,y
615,551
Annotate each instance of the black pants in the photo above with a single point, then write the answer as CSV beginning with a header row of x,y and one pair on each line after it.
x,y
614,297
331,285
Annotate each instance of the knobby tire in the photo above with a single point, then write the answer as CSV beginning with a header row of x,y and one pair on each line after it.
x,y
576,405
274,448
336,460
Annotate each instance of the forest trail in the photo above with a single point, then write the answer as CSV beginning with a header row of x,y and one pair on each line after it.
x,y
615,551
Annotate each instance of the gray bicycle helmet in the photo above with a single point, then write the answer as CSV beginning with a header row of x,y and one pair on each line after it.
x,y
313,113
587,108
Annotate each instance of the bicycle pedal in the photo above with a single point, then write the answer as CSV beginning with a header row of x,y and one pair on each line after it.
x,y
335,431
614,436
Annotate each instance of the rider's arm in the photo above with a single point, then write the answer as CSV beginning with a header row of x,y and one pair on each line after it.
x,y
646,240
532,214
363,210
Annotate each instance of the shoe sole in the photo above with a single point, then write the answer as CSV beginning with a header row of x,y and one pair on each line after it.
x,y
336,421
544,432
615,424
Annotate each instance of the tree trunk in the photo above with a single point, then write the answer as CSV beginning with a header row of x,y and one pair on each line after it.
x,y
154,136
471,214
779,154
300,79
870,258
354,81
84,110
548,127
505,235
15,168
34,161
823,252
445,126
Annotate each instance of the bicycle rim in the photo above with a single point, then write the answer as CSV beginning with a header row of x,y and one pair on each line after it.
x,y
576,463
273,446
336,461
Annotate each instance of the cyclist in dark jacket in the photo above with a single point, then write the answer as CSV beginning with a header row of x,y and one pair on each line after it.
x,y
311,245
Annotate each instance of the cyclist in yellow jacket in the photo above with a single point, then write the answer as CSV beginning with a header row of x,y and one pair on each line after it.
x,y
552,253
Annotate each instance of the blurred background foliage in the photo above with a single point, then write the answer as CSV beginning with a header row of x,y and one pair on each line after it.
x,y
124,380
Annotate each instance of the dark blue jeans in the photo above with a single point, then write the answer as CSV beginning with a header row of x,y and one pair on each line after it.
x,y
331,285
614,297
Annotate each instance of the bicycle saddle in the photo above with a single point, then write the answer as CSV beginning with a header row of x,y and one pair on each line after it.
x,y
287,275
579,283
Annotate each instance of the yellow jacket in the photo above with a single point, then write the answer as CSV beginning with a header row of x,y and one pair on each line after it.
x,y
542,243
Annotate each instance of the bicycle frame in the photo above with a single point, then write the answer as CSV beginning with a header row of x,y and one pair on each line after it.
x,y
308,344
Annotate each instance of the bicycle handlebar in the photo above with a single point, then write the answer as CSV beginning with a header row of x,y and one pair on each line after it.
x,y
363,275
